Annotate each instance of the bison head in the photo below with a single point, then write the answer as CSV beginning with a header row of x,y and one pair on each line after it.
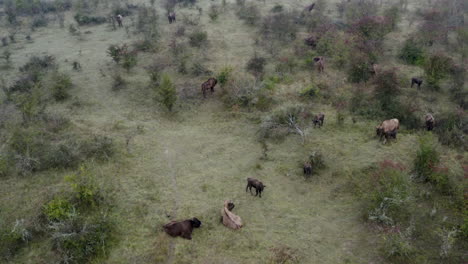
x,y
195,222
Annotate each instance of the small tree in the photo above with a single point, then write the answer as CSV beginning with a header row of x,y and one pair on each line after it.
x,y
436,68
386,90
166,93
62,84
256,66
129,60
412,53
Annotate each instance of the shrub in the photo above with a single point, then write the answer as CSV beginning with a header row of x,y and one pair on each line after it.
x,y
387,90
89,20
427,158
392,16
249,13
317,161
277,8
60,87
397,248
87,193
118,82
224,76
166,93
436,68
281,122
79,240
129,60
99,147
311,91
198,39
58,209
117,52
280,26
199,69
38,64
214,12
412,53
451,129
359,68
256,66
11,240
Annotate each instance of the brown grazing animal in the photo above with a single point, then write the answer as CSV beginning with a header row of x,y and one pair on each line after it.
x,y
171,17
307,169
209,85
309,7
311,41
320,62
417,81
318,119
258,185
228,218
119,19
430,122
182,228
388,129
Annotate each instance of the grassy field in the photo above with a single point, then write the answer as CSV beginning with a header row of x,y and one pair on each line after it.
x,y
185,163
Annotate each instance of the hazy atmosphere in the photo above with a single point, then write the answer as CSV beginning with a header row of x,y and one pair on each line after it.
x,y
233,131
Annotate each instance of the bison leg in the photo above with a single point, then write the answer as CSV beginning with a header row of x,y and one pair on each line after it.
x,y
187,235
247,188
260,194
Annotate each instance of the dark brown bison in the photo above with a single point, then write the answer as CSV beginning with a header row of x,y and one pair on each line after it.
x,y
209,85
311,41
171,17
388,129
309,7
307,169
417,81
258,185
430,122
119,19
182,228
318,119
320,62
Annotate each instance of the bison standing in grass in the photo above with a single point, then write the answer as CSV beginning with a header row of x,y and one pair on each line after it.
x,y
209,85
388,129
258,185
430,122
307,169
318,119
171,17
416,81
183,228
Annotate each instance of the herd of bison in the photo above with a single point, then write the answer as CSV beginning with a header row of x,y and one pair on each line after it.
x,y
386,130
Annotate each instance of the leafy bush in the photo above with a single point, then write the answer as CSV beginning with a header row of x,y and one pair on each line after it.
x,y
256,65
118,82
397,248
61,85
277,8
89,20
198,39
317,161
39,21
199,69
311,91
36,64
359,68
224,76
281,122
412,53
249,13
117,52
129,60
58,209
98,147
387,90
11,240
86,191
280,26
79,240
427,158
166,93
214,12
452,128
436,68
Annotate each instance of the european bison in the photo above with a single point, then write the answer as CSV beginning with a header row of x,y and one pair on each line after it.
x,y
171,17
228,218
318,119
388,129
430,122
311,41
209,85
119,19
182,228
307,169
258,185
309,7
320,62
417,81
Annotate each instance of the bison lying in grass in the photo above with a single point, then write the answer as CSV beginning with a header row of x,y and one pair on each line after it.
x,y
183,228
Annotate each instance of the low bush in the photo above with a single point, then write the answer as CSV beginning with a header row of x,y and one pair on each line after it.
x,y
198,39
256,66
58,209
282,122
165,93
61,85
249,13
397,248
412,53
89,20
87,194
224,76
436,68
12,239
199,69
427,158
118,82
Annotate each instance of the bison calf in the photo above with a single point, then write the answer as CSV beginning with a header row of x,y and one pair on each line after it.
x,y
307,169
182,228
430,121
416,81
318,119
258,185
171,17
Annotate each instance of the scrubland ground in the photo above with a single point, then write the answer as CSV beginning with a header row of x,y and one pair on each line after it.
x,y
185,163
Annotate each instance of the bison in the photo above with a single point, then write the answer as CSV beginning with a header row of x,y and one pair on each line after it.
x,y
228,218
119,19
388,129
258,185
320,62
182,228
307,169
311,41
318,119
417,81
209,85
171,17
430,122
309,8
